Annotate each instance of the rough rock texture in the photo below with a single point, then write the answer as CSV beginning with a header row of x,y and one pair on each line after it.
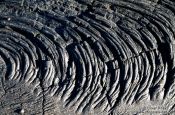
x,y
87,57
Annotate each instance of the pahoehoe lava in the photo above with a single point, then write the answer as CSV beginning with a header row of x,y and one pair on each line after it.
x,y
87,57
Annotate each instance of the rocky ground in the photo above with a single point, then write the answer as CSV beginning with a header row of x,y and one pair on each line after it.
x,y
87,57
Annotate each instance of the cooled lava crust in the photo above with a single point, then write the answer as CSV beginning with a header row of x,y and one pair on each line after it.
x,y
87,57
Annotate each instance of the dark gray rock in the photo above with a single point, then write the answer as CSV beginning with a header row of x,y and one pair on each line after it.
x,y
99,57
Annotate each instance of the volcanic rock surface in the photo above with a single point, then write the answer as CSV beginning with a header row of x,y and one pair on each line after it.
x,y
87,57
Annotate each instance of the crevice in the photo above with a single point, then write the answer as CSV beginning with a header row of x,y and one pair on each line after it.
x,y
41,73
